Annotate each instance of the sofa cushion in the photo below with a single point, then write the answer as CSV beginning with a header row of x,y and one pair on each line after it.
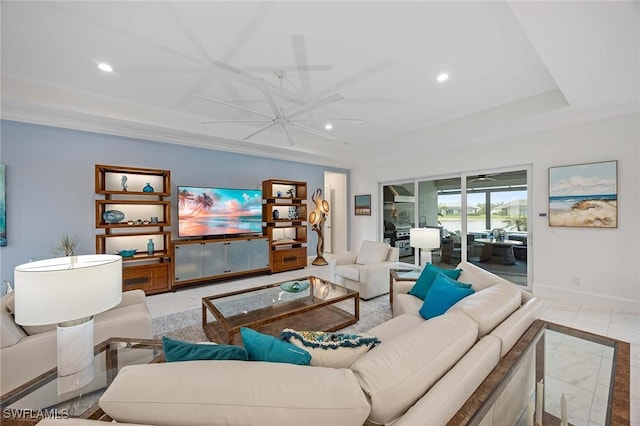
x,y
491,306
350,272
235,392
444,293
447,396
396,373
29,329
262,347
372,252
396,325
327,349
478,278
428,276
178,350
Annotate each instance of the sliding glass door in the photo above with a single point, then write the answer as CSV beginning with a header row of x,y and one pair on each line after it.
x,y
496,223
482,218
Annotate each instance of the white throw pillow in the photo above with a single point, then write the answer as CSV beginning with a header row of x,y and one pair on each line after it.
x,y
328,349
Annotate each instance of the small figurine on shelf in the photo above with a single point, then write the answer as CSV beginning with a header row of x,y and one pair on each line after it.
x,y
123,182
290,192
279,194
150,247
147,188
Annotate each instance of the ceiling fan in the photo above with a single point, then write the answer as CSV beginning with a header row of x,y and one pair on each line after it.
x,y
483,178
279,117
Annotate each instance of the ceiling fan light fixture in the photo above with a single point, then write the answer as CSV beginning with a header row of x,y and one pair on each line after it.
x,y
442,77
105,67
328,126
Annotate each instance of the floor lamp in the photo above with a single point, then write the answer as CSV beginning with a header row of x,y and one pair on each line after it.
x,y
316,219
68,291
424,240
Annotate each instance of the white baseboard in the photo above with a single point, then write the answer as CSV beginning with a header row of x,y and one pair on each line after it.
x,y
588,298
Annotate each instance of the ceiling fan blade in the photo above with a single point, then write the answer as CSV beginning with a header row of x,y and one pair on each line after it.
x,y
323,120
234,106
262,129
300,55
317,104
292,68
237,71
271,100
235,121
287,134
310,130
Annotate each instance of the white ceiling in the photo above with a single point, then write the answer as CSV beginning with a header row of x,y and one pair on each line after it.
x,y
515,68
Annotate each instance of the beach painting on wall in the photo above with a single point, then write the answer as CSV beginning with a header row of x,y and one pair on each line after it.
x,y
584,195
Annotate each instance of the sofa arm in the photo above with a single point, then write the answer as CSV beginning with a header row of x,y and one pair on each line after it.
x,y
30,357
131,297
376,272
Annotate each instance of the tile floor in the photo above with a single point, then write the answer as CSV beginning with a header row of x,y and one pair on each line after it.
x,y
599,320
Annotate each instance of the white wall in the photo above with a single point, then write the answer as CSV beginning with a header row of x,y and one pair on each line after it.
x,y
600,265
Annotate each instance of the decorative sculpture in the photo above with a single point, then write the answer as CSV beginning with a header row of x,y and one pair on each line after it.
x,y
316,219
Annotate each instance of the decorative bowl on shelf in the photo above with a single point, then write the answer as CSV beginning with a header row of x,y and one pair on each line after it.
x,y
113,216
127,252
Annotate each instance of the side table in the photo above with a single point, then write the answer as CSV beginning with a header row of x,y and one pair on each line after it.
x,y
39,398
404,274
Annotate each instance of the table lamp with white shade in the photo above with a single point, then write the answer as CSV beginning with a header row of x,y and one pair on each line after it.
x,y
68,291
424,239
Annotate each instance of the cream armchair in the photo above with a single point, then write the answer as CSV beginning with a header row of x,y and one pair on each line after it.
x,y
366,272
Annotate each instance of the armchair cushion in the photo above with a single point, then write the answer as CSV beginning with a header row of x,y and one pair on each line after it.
x,y
350,272
372,252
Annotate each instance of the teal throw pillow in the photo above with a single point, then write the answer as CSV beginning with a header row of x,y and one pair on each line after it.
x,y
177,350
443,294
262,347
428,276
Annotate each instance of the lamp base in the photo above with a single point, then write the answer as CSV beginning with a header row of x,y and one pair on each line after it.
x,y
423,258
75,354
319,261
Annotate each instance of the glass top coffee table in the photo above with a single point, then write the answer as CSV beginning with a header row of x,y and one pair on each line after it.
x,y
308,303
42,397
552,366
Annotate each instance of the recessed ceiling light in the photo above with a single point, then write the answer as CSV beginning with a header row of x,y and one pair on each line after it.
x,y
442,77
105,67
328,126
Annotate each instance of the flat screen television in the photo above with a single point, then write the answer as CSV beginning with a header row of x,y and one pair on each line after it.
x,y
205,211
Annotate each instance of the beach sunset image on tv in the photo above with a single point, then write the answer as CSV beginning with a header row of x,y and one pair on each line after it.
x,y
218,211
584,195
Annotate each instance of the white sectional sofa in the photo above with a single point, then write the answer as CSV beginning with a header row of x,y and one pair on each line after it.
x,y
421,373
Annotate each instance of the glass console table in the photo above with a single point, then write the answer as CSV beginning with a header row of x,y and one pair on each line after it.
x,y
592,373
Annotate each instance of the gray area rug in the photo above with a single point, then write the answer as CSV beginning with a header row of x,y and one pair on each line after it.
x,y
187,325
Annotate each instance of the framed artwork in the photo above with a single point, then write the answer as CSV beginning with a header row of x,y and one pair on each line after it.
x,y
584,195
363,205
3,209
